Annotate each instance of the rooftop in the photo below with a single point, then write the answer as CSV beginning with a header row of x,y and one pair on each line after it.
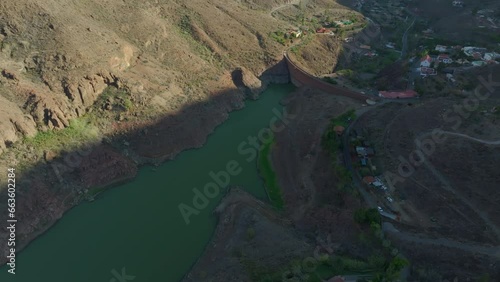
x,y
398,94
426,58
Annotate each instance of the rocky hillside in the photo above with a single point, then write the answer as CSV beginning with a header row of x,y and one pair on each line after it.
x,y
57,58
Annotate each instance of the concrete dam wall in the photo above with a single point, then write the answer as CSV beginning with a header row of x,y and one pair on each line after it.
x,y
299,78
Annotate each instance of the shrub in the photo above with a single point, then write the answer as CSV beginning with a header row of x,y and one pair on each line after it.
x,y
330,80
250,233
367,216
127,104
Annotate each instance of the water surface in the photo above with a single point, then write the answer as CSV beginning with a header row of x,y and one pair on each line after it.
x,y
138,225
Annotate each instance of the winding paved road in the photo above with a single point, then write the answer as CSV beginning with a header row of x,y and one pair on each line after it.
x,y
405,40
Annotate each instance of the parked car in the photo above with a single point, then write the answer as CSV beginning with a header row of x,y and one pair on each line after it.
x,y
380,209
389,199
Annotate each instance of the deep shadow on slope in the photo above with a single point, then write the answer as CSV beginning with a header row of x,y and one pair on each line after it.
x,y
49,189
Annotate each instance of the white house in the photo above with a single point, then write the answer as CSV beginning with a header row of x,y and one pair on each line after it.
x,y
441,48
478,63
468,50
491,56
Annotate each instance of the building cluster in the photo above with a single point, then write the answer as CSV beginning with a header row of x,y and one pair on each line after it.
x,y
478,57
364,153
375,182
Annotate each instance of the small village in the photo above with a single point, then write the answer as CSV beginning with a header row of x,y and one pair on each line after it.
x,y
431,56
365,165
474,57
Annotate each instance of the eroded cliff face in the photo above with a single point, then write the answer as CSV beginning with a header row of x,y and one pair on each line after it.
x,y
57,58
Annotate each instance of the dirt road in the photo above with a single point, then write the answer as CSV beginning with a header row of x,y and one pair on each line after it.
x,y
446,184
472,138
422,239
290,3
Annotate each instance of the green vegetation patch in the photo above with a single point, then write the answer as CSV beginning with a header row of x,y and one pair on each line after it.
x,y
79,131
375,64
367,216
118,98
186,30
267,172
330,80
279,37
306,39
270,179
332,143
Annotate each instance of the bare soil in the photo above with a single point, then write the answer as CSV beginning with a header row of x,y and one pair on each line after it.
x,y
452,194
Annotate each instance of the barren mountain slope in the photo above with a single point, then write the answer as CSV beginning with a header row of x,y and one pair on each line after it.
x,y
58,56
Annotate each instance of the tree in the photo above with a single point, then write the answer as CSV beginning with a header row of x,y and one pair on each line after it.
x,y
378,278
377,260
367,216
440,67
395,266
484,278
419,88
360,216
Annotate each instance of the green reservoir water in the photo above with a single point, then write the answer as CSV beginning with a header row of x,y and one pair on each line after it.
x,y
138,225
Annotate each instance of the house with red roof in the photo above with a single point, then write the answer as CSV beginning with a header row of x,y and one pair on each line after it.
x,y
398,94
370,54
477,55
339,129
427,71
368,179
426,61
336,279
322,30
